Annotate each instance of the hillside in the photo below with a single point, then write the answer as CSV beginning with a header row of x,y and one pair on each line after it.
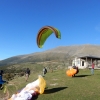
x,y
59,54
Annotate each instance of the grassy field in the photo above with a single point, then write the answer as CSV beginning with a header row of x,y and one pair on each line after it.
x,y
61,87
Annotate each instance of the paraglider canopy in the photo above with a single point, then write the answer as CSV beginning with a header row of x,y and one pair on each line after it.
x,y
44,33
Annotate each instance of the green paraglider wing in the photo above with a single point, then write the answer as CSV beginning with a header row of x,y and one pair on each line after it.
x,y
44,33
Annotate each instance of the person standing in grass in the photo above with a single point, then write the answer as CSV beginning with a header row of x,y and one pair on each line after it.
x,y
92,69
27,73
1,81
44,71
1,72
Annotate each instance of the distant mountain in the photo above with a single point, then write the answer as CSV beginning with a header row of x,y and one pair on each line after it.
x,y
59,53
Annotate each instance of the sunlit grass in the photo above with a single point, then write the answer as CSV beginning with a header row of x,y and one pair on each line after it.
x,y
61,87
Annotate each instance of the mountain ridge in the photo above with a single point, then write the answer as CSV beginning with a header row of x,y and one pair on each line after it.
x,y
58,53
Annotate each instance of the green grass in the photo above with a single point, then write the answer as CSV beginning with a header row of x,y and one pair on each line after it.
x,y
61,87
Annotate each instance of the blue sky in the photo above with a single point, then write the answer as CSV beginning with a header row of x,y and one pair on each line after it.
x,y
20,21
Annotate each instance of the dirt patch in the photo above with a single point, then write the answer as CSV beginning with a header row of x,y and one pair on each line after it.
x,y
54,84
54,79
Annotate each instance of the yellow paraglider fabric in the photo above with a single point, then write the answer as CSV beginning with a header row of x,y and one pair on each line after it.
x,y
36,86
42,84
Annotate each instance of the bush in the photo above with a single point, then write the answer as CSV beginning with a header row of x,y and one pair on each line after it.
x,y
21,74
8,76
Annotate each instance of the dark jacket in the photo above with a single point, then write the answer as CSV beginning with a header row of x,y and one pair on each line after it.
x,y
1,72
28,71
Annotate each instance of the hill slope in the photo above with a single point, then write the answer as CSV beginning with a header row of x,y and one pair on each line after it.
x,y
59,53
